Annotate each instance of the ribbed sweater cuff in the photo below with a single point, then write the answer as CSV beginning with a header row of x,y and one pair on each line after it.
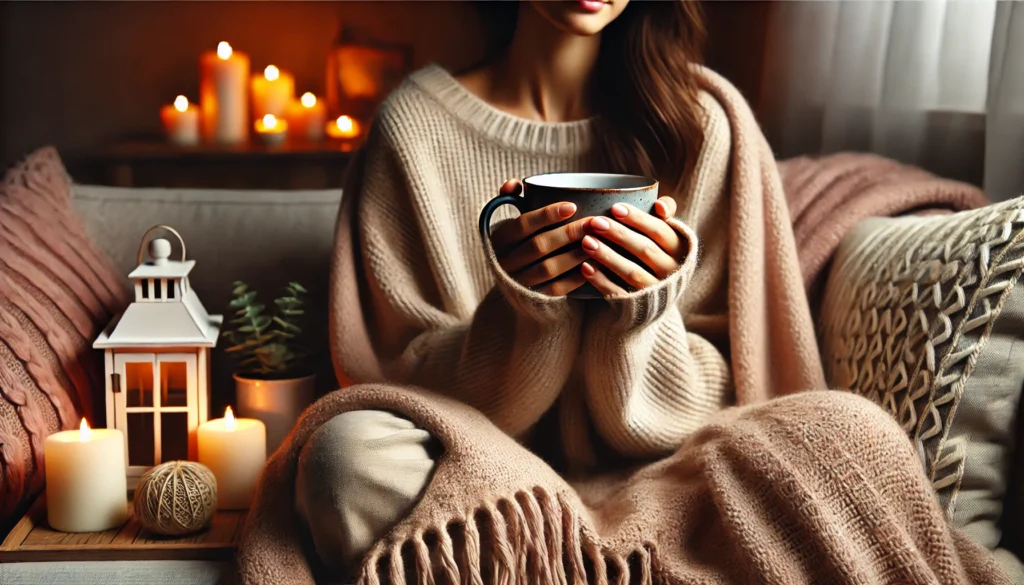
x,y
641,308
537,307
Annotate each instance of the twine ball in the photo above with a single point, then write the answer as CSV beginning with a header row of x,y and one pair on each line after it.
x,y
175,498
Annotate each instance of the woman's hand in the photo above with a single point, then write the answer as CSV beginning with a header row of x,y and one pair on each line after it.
x,y
653,241
520,248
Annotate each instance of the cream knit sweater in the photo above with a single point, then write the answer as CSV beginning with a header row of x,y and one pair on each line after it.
x,y
636,375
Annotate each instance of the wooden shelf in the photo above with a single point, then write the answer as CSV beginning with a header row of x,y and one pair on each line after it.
x,y
33,540
297,164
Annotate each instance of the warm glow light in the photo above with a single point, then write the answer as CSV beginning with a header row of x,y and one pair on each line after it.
x,y
181,103
223,50
308,100
83,431
271,73
229,419
270,121
344,123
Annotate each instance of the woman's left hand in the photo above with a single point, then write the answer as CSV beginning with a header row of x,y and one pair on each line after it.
x,y
652,240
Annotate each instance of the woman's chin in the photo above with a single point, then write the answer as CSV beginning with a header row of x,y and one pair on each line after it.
x,y
581,17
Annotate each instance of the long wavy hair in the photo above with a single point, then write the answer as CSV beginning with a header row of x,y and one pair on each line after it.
x,y
645,93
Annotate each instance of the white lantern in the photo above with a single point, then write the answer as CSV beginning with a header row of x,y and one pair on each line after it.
x,y
157,361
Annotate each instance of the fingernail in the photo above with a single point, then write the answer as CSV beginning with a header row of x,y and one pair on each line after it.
x,y
620,210
587,269
590,243
566,209
659,208
600,224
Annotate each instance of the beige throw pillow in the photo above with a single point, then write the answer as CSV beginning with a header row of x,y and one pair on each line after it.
x,y
923,316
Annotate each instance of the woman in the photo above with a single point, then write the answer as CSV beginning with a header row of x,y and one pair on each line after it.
x,y
557,484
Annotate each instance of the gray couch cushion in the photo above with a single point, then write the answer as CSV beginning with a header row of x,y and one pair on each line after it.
x,y
116,573
266,238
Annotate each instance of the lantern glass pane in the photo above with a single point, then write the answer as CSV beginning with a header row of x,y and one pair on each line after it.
x,y
173,436
141,440
138,384
173,384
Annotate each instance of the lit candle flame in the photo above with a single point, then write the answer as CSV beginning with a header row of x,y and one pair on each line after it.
x,y
83,431
229,419
344,123
271,73
223,50
181,103
308,99
269,122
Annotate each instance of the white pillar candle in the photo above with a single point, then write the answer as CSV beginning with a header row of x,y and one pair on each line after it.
x,y
181,122
86,489
235,450
223,95
272,92
307,117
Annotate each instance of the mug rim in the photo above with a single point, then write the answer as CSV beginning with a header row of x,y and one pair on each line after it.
x,y
651,182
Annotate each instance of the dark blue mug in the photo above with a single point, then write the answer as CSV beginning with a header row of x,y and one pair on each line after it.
x,y
593,193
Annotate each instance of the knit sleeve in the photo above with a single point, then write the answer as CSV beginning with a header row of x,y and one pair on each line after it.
x,y
397,316
649,381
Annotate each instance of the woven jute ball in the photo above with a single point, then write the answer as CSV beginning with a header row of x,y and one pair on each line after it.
x,y
175,498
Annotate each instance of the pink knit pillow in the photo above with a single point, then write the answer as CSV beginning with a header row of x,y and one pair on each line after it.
x,y
57,291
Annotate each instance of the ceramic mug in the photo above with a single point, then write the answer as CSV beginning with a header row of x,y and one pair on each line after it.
x,y
593,193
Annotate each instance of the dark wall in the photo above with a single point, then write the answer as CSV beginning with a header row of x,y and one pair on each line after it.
x,y
83,74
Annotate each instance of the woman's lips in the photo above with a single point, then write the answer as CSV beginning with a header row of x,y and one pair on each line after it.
x,y
591,5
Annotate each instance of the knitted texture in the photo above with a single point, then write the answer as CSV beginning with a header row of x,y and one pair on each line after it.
x,y
175,498
57,291
632,377
905,324
821,487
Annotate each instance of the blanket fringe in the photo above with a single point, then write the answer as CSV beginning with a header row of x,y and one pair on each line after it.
x,y
533,538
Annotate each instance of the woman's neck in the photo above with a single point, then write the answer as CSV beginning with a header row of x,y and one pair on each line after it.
x,y
543,75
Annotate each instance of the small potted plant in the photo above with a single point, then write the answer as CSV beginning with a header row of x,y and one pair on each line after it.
x,y
274,381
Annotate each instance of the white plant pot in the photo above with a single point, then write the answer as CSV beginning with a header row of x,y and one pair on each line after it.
x,y
278,403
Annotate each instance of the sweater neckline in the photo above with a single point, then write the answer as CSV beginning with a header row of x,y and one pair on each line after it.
x,y
552,138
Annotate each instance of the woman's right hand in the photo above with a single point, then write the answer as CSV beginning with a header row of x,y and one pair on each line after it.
x,y
520,248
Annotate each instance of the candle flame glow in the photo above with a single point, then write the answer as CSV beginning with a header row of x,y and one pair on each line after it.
x,y
308,99
344,123
181,103
271,73
269,122
83,431
229,419
223,50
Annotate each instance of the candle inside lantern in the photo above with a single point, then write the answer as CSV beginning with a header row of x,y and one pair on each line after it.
x,y
272,92
235,450
344,128
86,489
223,76
306,117
181,122
271,130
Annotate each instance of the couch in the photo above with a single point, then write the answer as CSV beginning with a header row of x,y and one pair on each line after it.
x,y
885,271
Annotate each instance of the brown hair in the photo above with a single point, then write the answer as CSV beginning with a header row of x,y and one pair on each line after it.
x,y
645,92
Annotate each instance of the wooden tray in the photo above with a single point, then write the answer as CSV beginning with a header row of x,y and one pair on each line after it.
x,y
32,539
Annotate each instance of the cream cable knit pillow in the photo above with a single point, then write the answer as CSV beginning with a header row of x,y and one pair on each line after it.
x,y
922,316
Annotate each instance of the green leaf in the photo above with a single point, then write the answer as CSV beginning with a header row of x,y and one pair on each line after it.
x,y
240,288
296,286
236,303
293,312
247,329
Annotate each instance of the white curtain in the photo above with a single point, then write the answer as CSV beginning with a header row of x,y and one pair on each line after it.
x,y
935,83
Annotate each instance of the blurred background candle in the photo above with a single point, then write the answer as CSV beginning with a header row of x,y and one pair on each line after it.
x,y
235,450
223,84
181,122
272,92
344,128
271,130
86,489
306,117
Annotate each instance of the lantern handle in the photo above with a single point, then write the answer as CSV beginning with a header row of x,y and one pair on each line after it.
x,y
142,245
